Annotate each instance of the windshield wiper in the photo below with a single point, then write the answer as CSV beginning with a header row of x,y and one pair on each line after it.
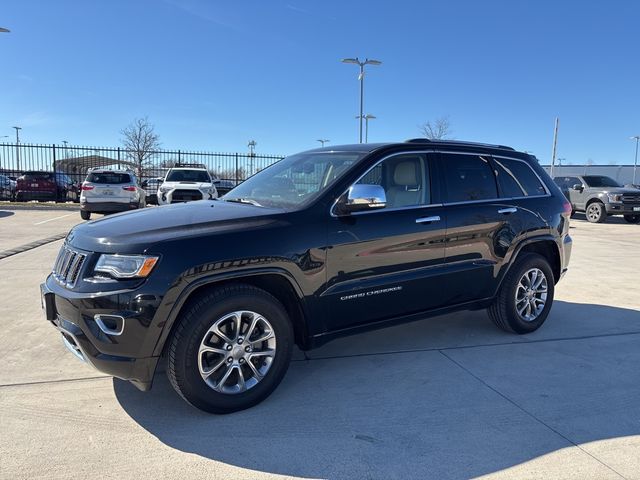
x,y
248,201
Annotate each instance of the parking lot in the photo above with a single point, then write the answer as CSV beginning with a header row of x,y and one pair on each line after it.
x,y
448,397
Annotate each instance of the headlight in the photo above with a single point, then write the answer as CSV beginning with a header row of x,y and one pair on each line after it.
x,y
614,197
126,266
165,189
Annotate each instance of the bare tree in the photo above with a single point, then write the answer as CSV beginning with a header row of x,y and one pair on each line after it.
x,y
439,129
141,142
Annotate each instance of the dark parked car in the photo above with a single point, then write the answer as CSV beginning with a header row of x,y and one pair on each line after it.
x,y
42,186
599,196
322,244
151,187
224,186
7,188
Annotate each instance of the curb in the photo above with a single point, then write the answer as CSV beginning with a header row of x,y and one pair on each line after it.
x,y
31,246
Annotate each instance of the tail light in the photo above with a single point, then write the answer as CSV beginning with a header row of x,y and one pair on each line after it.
x,y
87,187
567,208
129,188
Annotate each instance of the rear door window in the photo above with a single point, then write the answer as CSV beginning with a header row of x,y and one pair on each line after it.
x,y
108,177
517,179
468,178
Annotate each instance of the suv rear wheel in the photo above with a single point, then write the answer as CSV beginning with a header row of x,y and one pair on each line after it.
x,y
596,213
230,350
632,218
525,296
85,215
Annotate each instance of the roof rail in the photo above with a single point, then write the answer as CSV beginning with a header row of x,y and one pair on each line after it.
x,y
459,142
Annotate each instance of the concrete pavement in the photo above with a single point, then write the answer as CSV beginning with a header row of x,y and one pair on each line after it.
x,y
449,397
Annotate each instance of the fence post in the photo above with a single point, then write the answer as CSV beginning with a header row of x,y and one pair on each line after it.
x,y
118,155
55,177
178,157
236,171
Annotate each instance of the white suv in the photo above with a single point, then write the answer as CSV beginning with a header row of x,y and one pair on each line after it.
x,y
108,190
183,184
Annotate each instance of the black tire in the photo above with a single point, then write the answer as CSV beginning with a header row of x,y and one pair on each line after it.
x,y
503,311
632,218
596,212
85,215
193,326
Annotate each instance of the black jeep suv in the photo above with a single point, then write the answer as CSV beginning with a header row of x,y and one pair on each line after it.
x,y
322,244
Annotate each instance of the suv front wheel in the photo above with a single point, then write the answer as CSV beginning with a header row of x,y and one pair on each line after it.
x,y
230,350
525,296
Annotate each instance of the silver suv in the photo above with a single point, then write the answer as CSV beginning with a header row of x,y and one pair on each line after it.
x,y
110,190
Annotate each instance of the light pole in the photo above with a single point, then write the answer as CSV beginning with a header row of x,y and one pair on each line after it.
x,y
323,141
18,146
367,117
252,145
635,163
361,78
560,161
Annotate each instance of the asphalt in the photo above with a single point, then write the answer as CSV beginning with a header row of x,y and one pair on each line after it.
x,y
448,397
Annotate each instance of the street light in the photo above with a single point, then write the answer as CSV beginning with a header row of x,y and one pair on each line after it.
x,y
323,141
367,117
635,163
361,78
18,146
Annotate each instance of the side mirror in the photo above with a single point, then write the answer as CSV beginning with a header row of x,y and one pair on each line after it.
x,y
145,184
363,197
578,187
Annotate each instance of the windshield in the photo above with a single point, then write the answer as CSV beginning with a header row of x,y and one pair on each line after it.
x,y
600,181
295,180
188,176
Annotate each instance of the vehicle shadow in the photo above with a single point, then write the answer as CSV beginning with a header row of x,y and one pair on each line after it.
x,y
613,219
443,408
5,213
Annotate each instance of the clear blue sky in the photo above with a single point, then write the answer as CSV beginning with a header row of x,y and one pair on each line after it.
x,y
211,74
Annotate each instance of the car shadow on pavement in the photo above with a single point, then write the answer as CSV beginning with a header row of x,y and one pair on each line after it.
x,y
420,408
6,213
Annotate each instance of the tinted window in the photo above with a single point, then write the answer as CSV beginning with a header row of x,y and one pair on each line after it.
x,y
201,176
567,182
38,176
600,181
468,178
108,177
516,179
405,179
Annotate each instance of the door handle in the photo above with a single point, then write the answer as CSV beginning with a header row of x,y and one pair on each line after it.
x,y
505,211
435,218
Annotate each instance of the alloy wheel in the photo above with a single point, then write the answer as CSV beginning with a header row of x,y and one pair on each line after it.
x,y
531,294
594,212
236,352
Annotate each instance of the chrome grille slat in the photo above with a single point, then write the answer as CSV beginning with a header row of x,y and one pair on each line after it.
x,y
68,266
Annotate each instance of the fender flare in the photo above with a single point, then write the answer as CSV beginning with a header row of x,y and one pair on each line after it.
x,y
186,293
518,249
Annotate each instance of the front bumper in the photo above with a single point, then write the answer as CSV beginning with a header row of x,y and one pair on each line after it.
x,y
108,207
623,209
89,343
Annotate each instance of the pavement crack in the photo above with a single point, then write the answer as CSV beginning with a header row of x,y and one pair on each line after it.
x,y
528,413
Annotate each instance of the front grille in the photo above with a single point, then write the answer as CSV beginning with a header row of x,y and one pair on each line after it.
x,y
186,195
68,265
631,198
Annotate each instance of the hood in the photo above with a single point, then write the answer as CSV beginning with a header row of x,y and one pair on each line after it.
x,y
134,232
187,185
620,190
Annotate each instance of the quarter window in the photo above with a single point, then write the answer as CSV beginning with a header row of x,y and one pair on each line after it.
x,y
516,179
405,179
468,178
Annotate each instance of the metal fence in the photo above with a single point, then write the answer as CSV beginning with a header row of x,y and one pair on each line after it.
x,y
74,161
